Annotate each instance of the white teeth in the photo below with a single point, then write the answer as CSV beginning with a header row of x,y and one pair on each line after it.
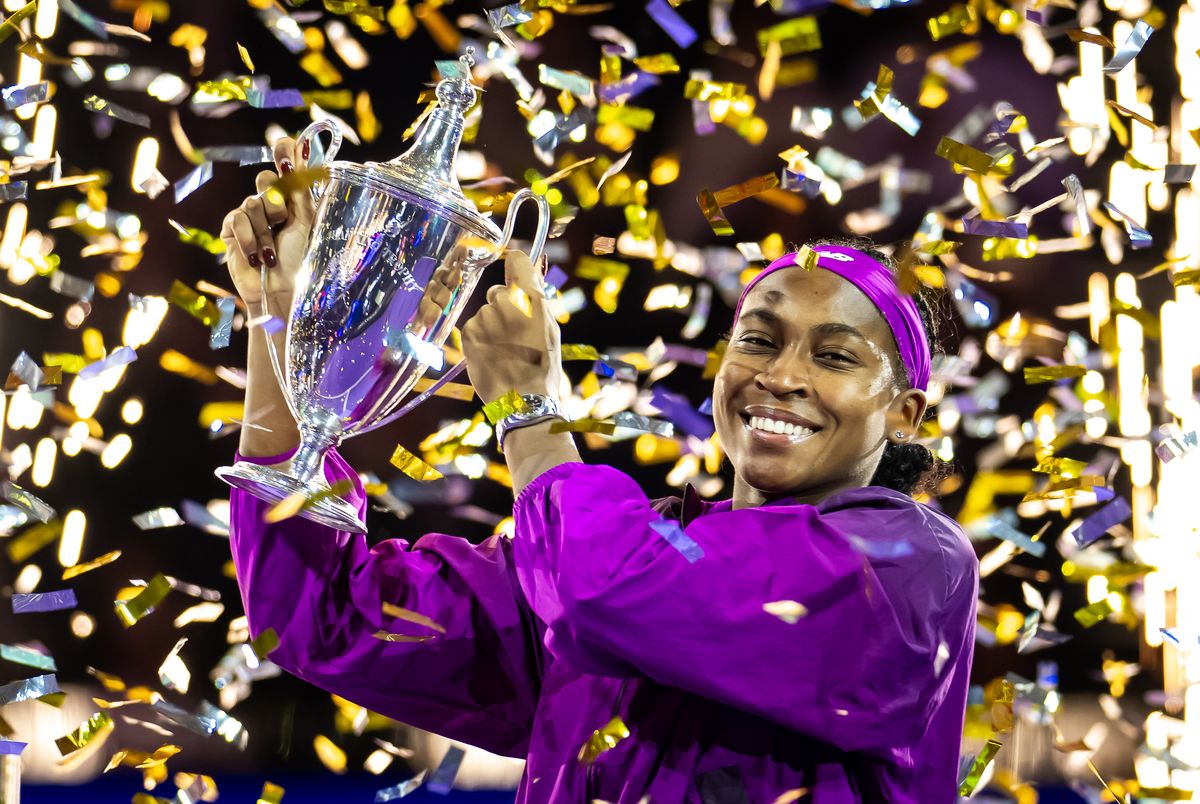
x,y
777,426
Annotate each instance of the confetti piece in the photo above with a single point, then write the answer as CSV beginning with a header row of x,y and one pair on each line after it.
x,y
798,35
142,604
787,610
964,155
413,466
979,226
1138,236
44,601
677,409
28,689
1099,522
121,356
603,739
158,518
982,760
1094,613
12,24
675,536
1130,48
1178,174
669,20
1177,446
32,505
96,729
1080,35
1001,529
1036,374
1075,190
195,179
400,790
407,615
1130,113
96,104
713,213
27,657
88,566
20,95
958,19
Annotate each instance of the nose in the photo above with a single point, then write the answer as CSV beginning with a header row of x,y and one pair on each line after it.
x,y
787,373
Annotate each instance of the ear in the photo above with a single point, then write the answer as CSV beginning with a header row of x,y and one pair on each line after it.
x,y
904,415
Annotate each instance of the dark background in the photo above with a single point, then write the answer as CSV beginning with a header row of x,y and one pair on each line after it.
x,y
173,457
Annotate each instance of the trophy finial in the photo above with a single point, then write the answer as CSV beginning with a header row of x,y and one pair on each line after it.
x,y
457,93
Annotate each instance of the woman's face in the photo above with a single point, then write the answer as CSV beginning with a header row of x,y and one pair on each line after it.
x,y
809,355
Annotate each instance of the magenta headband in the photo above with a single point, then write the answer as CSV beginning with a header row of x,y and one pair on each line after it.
x,y
877,283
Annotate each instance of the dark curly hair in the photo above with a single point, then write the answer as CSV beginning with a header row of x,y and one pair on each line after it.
x,y
908,468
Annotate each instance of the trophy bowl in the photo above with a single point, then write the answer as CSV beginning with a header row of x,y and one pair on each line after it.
x,y
354,347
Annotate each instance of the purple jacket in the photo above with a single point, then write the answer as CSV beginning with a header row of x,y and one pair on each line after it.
x,y
588,612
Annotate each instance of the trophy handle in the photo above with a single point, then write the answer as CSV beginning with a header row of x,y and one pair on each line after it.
x,y
316,157
543,228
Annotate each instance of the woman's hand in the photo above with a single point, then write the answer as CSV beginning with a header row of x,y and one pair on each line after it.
x,y
272,230
510,347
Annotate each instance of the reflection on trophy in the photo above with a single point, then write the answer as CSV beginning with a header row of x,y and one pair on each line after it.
x,y
354,345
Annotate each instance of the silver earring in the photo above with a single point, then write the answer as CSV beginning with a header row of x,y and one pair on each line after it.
x,y
899,434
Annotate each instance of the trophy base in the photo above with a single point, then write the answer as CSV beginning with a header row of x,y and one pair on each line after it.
x,y
274,486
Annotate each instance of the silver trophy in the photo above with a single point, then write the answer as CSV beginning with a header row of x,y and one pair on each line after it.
x,y
354,347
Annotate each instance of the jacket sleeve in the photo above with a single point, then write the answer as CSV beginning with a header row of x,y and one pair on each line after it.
x,y
323,592
860,669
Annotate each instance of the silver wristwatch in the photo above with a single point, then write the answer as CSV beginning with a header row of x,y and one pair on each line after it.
x,y
537,409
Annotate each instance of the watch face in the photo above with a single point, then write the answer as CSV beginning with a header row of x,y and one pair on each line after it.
x,y
537,405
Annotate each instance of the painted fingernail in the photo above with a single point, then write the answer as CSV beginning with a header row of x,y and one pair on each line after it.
x,y
304,152
286,166
252,258
269,257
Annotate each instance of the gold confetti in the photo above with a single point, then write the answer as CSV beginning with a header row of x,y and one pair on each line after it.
x,y
133,610
793,36
964,155
1066,467
88,566
96,729
746,189
602,740
497,409
407,615
1036,374
787,610
296,502
330,755
958,19
413,466
1095,612
713,213
584,425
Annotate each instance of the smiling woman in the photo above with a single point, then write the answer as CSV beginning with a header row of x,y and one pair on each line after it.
x,y
814,632
904,464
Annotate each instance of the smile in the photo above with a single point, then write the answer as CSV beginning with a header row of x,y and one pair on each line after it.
x,y
775,431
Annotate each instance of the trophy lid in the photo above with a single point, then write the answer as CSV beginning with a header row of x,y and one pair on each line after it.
x,y
426,169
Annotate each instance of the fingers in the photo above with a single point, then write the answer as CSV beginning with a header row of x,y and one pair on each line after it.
x,y
238,231
274,204
520,271
285,155
256,213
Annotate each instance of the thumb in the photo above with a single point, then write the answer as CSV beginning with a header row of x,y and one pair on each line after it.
x,y
519,271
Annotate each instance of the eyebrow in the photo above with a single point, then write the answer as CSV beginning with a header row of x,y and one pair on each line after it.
x,y
828,328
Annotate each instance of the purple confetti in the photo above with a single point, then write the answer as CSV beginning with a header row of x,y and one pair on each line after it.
x,y
44,601
673,533
1098,523
628,87
679,411
9,747
442,778
123,355
556,277
275,98
669,20
685,354
706,406
979,226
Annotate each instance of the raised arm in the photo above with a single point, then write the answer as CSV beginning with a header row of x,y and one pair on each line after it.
x,y
863,667
324,592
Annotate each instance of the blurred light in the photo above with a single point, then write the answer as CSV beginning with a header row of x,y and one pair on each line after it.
x,y
145,163
43,132
23,410
70,543
84,395
82,625
46,19
27,579
1093,382
29,72
14,233
132,410
43,462
71,446
79,431
116,450
143,320
1097,588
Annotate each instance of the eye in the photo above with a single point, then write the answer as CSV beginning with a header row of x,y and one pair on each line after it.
x,y
840,357
756,340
